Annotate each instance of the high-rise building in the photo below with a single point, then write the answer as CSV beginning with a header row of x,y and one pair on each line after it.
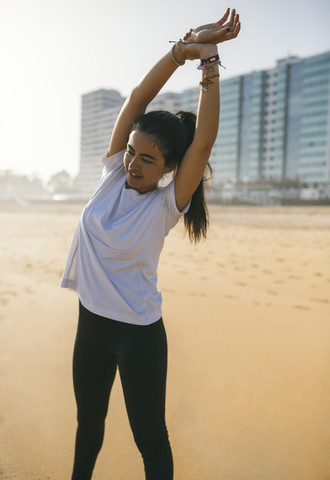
x,y
274,124
99,110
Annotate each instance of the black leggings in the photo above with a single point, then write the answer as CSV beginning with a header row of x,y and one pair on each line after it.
x,y
141,355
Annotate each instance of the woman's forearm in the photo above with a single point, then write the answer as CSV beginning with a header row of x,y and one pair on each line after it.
x,y
155,79
140,97
207,121
209,101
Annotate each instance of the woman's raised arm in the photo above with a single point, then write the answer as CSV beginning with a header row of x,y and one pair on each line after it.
x,y
196,157
156,78
140,97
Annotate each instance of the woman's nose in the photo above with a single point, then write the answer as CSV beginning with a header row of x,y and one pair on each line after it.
x,y
133,165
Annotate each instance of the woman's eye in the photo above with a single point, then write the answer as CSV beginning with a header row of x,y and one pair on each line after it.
x,y
146,161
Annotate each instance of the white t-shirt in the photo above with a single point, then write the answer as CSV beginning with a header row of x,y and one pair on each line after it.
x,y
112,262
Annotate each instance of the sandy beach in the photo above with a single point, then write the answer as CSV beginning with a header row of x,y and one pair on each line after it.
x,y
247,314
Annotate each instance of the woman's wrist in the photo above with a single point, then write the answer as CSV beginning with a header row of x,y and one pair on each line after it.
x,y
209,50
194,51
179,52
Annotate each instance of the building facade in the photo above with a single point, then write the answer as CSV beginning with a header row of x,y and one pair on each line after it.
x,y
274,124
99,110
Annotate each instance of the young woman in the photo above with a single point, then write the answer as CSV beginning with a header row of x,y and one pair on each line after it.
x,y
113,258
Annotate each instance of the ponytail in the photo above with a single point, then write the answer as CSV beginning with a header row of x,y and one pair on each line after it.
x,y
196,220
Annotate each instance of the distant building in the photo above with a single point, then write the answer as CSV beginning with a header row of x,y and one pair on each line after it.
x,y
274,124
99,110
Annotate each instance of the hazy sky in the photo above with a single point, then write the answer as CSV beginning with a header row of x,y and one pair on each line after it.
x,y
51,52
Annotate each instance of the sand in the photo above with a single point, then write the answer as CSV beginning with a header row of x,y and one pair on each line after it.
x,y
248,325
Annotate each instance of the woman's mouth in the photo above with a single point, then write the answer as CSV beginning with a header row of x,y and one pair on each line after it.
x,y
133,174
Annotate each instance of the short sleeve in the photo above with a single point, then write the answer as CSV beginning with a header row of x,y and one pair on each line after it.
x,y
173,214
169,199
112,164
113,159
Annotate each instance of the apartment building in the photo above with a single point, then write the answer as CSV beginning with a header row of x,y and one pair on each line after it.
x,y
274,124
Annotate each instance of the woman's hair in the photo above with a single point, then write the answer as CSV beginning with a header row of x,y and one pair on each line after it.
x,y
173,134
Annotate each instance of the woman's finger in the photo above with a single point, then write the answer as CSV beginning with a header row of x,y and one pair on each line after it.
x,y
237,29
224,18
232,17
230,26
234,32
236,20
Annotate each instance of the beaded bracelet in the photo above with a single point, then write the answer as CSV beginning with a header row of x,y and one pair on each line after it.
x,y
179,64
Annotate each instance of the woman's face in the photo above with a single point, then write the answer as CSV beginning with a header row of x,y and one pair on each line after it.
x,y
144,162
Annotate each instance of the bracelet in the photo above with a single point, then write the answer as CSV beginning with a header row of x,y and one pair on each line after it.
x,y
204,84
213,59
178,64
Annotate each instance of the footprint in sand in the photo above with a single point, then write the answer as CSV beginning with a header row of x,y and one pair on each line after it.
x,y
301,307
219,264
240,284
167,290
320,300
272,292
6,295
231,296
10,292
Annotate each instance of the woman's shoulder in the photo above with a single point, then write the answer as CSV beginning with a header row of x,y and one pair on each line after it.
x,y
109,160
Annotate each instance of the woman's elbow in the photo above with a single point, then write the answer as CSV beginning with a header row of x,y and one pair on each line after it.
x,y
205,147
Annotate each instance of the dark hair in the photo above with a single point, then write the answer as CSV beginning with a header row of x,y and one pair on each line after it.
x,y
173,133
